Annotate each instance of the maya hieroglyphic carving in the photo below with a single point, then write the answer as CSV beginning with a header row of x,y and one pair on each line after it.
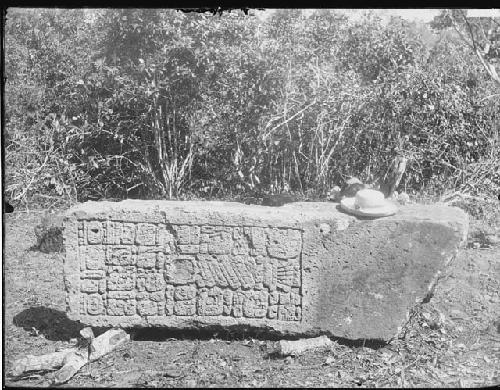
x,y
151,269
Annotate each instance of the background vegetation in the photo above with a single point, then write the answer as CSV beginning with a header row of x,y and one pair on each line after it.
x,y
161,104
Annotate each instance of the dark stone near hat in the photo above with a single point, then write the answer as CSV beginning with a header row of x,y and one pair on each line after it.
x,y
351,190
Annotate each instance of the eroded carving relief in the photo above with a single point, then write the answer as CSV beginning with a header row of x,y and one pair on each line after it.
x,y
148,269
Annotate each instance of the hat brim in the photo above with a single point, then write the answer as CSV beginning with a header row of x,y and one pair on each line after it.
x,y
347,204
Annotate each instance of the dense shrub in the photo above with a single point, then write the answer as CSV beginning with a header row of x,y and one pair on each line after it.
x,y
161,104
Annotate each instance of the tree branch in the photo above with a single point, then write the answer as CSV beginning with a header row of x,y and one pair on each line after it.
x,y
490,68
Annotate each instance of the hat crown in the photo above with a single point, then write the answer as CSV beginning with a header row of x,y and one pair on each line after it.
x,y
369,198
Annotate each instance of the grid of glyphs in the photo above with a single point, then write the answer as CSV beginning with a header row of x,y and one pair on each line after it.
x,y
155,269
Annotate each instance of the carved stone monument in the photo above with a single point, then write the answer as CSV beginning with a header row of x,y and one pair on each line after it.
x,y
304,268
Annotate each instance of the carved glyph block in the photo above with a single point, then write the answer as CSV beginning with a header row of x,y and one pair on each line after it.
x,y
303,268
148,269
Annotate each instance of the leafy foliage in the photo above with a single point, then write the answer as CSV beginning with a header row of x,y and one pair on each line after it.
x,y
161,104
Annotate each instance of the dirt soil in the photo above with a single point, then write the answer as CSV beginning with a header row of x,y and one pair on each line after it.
x,y
451,341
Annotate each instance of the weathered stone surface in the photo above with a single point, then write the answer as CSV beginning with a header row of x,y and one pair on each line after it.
x,y
304,268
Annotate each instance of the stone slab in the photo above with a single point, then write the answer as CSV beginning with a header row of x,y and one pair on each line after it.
x,y
304,268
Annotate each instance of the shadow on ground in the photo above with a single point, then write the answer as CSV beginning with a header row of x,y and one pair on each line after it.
x,y
53,324
228,334
56,326
236,333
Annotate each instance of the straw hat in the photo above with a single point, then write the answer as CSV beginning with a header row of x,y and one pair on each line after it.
x,y
368,203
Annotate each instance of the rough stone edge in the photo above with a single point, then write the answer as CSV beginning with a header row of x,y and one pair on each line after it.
x,y
458,224
71,263
196,322
212,213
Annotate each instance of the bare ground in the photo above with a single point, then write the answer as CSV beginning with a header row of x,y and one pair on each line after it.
x,y
451,341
